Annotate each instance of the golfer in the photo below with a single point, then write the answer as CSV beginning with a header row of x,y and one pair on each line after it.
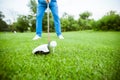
x,y
41,7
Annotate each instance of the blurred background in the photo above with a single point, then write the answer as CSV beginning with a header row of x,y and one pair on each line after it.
x,y
75,15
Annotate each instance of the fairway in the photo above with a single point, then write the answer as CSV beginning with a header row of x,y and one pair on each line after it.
x,y
82,55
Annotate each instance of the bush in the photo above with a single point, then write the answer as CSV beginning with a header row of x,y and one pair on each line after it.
x,y
109,22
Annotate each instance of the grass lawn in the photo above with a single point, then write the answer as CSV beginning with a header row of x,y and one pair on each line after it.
x,y
82,55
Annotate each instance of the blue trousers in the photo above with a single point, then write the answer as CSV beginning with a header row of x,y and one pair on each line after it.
x,y
41,7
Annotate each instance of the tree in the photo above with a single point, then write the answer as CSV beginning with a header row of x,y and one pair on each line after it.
x,y
84,21
72,26
33,6
22,23
64,24
109,22
85,15
32,22
32,16
1,15
68,23
3,24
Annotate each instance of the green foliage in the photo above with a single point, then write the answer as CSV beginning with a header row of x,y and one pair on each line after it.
x,y
32,22
32,17
84,22
1,15
33,6
22,23
3,24
109,22
64,24
85,15
72,26
68,23
84,55
13,27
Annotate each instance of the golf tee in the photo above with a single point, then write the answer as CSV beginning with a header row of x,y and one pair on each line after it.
x,y
53,49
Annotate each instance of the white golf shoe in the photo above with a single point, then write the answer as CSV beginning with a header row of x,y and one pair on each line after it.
x,y
36,37
60,37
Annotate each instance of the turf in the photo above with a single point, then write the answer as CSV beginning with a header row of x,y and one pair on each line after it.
x,y
82,55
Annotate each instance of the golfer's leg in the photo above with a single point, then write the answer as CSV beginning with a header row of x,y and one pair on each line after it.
x,y
54,9
40,13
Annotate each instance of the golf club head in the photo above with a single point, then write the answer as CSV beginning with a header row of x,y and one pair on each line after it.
x,y
41,49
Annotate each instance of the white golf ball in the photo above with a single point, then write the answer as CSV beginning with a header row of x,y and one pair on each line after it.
x,y
53,43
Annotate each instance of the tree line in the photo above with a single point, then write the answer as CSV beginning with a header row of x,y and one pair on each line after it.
x,y
110,21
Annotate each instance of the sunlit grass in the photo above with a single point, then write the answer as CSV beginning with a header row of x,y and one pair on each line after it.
x,y
84,55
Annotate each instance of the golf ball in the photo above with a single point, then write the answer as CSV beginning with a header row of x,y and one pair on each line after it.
x,y
53,43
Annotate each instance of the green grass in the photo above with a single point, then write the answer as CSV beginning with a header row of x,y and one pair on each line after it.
x,y
83,55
